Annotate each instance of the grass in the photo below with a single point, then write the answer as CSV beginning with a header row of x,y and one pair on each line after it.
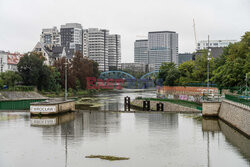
x,y
176,101
107,157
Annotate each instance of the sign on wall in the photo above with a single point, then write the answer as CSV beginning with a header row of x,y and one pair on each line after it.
x,y
42,109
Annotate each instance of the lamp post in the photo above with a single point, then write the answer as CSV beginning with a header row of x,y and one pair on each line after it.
x,y
66,79
208,58
66,75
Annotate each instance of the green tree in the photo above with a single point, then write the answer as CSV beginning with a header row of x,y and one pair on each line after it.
x,y
33,71
10,78
200,71
169,74
186,72
234,64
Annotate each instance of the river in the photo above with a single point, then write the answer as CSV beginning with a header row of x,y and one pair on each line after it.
x,y
148,139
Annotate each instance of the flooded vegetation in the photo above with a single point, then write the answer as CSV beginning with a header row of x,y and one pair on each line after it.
x,y
147,139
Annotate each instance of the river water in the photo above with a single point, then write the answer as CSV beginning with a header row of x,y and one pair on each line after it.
x,y
148,139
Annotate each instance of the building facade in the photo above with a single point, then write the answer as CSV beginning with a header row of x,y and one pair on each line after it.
x,y
141,51
95,42
183,57
9,61
71,37
114,52
162,47
138,67
50,37
203,44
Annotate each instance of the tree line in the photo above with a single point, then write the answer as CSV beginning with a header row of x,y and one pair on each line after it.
x,y
229,70
33,72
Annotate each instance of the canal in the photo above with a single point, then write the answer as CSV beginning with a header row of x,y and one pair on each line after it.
x,y
148,139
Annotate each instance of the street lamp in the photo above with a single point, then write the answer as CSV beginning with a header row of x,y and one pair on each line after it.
x,y
208,58
66,63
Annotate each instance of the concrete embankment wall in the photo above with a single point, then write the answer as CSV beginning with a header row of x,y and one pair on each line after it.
x,y
20,95
236,114
167,106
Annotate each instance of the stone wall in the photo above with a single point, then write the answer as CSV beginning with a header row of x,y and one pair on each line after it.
x,y
66,106
236,114
210,108
167,106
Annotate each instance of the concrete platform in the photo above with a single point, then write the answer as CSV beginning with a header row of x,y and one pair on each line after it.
x,y
50,107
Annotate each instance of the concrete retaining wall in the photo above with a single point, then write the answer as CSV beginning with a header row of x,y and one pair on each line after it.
x,y
210,108
167,106
236,114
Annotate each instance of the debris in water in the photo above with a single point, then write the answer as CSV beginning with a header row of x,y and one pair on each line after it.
x,y
107,157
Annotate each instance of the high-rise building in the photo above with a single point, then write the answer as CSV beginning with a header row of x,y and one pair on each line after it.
x,y
114,52
50,37
162,47
203,44
103,48
141,51
71,37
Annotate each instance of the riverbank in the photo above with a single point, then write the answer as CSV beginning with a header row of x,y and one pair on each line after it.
x,y
170,105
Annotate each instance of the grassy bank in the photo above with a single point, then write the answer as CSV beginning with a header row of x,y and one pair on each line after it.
x,y
176,101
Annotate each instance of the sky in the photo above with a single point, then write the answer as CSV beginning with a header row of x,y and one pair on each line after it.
x,y
21,21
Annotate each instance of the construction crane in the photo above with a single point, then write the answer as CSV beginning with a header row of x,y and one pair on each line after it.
x,y
195,38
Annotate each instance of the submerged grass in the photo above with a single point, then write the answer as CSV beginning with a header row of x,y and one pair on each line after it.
x,y
107,157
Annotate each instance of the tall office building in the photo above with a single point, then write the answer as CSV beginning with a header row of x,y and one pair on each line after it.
x,y
95,46
162,47
71,37
50,37
114,52
141,51
203,44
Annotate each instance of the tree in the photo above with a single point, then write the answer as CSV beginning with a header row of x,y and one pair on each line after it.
x,y
234,64
30,67
34,72
169,74
79,68
10,78
186,72
200,71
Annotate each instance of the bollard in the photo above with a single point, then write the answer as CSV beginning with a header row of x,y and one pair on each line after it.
x,y
127,103
146,105
160,106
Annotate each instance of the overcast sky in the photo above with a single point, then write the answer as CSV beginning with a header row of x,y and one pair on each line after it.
x,y
21,21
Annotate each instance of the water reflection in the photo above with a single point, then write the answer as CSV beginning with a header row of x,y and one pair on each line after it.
x,y
213,127
51,120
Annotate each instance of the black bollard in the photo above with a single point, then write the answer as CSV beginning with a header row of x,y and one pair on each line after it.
x,y
160,106
146,105
127,103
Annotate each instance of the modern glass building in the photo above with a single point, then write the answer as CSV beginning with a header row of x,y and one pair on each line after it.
x,y
141,51
162,47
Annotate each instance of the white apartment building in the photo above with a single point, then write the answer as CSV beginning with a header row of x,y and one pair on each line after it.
x,y
203,44
103,48
50,37
114,52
